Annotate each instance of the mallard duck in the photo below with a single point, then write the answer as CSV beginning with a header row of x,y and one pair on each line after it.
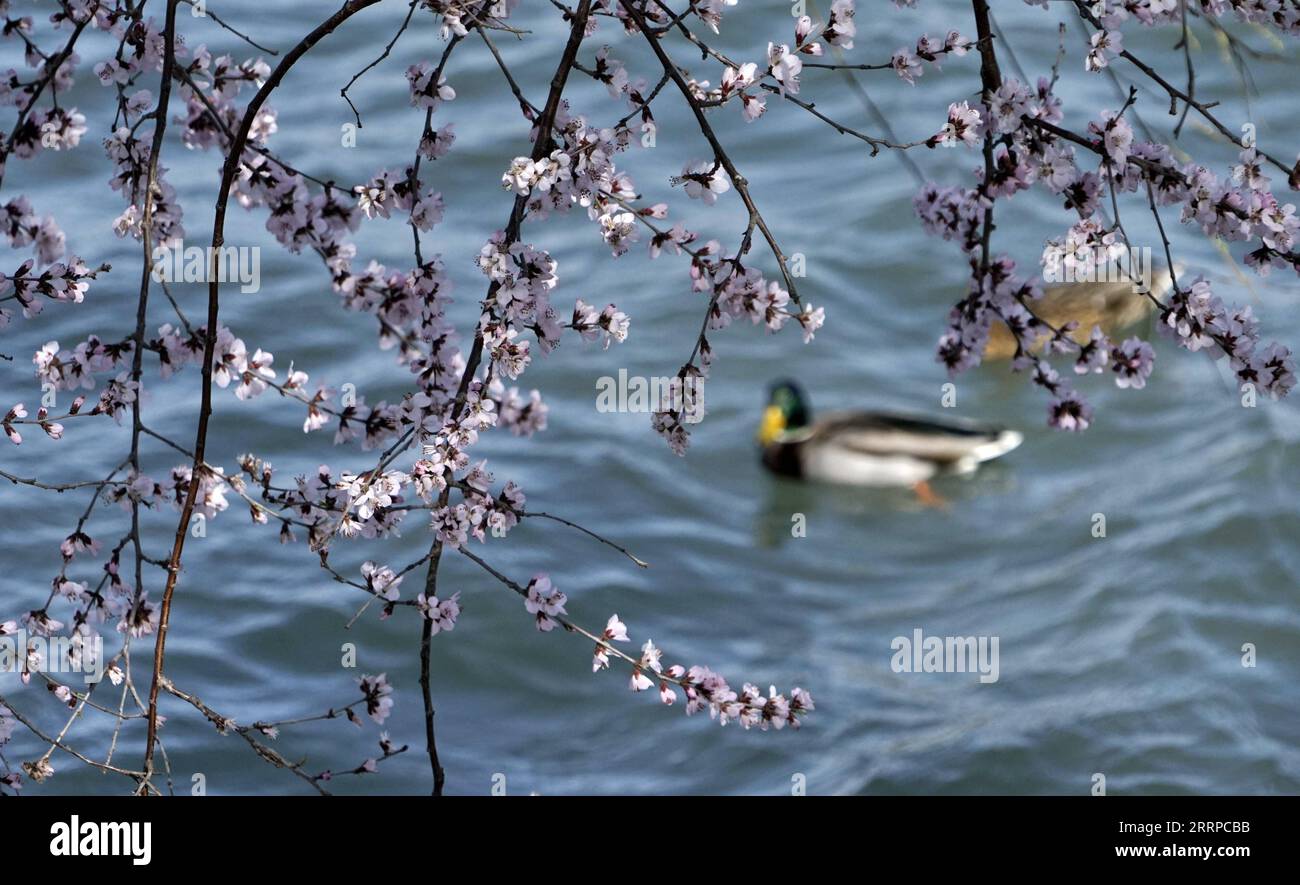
x,y
1113,306
871,448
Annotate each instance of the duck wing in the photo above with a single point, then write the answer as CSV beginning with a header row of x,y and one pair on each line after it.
x,y
949,443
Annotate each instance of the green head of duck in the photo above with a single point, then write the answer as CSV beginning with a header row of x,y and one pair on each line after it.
x,y
787,409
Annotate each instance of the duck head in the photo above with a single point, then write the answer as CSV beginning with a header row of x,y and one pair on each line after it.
x,y
787,409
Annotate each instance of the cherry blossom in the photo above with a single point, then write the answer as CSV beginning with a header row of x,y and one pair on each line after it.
x,y
705,180
381,580
425,93
378,696
784,66
1132,362
1105,46
962,126
544,602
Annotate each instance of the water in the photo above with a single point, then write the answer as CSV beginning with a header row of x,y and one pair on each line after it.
x,y
1118,655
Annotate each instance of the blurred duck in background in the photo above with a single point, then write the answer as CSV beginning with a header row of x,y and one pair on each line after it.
x,y
1114,306
872,448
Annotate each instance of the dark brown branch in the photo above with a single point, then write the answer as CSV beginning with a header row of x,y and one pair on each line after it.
x,y
541,148
231,167
146,272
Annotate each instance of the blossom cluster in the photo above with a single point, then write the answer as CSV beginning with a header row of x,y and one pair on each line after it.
x,y
1020,126
703,688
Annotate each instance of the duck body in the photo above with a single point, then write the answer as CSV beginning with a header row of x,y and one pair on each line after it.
x,y
874,449
1113,306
